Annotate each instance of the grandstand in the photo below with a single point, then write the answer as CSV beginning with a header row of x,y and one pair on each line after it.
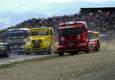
x,y
101,19
103,9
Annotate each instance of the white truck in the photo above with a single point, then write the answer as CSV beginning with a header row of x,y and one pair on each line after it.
x,y
17,38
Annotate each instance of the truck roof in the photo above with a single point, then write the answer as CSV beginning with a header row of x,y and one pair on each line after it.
x,y
19,29
66,24
73,22
24,29
41,28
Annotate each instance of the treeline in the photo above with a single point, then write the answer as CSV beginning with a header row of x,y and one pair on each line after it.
x,y
47,22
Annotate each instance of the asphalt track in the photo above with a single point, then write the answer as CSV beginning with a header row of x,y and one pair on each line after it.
x,y
16,57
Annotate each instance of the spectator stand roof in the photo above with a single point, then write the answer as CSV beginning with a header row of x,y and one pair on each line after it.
x,y
86,10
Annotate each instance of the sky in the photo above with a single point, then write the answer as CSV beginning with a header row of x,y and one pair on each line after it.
x,y
15,11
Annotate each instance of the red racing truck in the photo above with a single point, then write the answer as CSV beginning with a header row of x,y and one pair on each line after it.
x,y
73,37
94,40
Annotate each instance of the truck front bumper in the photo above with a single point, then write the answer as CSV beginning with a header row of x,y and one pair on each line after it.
x,y
70,48
31,50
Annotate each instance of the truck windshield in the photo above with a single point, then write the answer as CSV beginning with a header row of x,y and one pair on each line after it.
x,y
36,33
91,36
17,34
71,31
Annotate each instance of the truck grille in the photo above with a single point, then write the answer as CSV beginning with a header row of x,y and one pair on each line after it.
x,y
36,43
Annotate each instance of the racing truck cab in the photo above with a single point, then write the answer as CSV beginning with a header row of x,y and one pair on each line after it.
x,y
94,40
40,40
73,37
17,38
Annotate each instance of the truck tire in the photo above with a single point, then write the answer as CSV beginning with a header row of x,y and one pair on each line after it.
x,y
97,48
6,55
50,51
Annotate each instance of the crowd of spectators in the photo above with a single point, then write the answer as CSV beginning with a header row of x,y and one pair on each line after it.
x,y
100,21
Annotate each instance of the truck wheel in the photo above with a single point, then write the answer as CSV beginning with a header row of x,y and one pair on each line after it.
x,y
50,51
97,48
7,54
60,53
